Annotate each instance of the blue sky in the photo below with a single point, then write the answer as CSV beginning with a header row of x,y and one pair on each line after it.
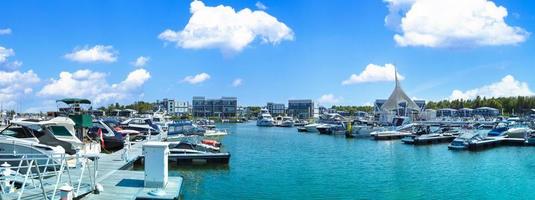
x,y
308,51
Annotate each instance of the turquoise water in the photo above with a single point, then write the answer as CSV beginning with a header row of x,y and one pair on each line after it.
x,y
280,163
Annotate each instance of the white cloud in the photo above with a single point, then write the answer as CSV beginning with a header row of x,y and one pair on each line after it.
x,y
261,6
199,78
5,53
506,87
221,27
5,31
451,23
98,53
237,82
141,61
329,99
374,73
16,84
93,85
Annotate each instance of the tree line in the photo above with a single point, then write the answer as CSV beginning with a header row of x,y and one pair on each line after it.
x,y
507,105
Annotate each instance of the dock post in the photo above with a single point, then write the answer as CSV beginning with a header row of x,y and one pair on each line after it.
x,y
66,192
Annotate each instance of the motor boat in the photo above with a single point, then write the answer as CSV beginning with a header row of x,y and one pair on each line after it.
x,y
332,129
362,128
161,121
425,135
205,123
396,132
184,127
265,119
111,140
213,132
463,141
298,122
287,122
40,132
143,125
518,132
132,134
184,152
312,128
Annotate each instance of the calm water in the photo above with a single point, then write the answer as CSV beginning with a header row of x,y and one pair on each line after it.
x,y
280,163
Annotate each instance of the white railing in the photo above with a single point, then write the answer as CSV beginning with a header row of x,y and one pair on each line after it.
x,y
26,169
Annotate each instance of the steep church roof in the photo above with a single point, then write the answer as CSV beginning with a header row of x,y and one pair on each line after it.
x,y
398,96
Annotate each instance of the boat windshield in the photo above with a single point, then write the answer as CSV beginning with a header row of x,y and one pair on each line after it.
x,y
60,131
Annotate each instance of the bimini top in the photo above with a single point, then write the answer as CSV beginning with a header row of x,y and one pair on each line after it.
x,y
398,96
74,101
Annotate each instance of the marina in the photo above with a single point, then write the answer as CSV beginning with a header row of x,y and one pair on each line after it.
x,y
267,100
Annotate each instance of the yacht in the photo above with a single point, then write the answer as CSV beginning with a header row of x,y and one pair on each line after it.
x,y
143,125
265,119
42,132
287,122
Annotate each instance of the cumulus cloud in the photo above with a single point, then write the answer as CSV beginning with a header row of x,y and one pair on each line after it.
x,y
451,23
374,73
5,31
93,85
221,27
199,78
261,6
141,61
5,53
237,82
329,99
16,84
506,87
98,53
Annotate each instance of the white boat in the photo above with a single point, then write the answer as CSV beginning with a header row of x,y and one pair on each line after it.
x,y
312,128
215,132
518,132
143,125
265,119
45,132
463,140
287,122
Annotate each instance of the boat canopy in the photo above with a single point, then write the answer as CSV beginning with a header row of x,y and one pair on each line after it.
x,y
398,96
74,101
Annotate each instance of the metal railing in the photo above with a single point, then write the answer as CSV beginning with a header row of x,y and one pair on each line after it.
x,y
45,169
